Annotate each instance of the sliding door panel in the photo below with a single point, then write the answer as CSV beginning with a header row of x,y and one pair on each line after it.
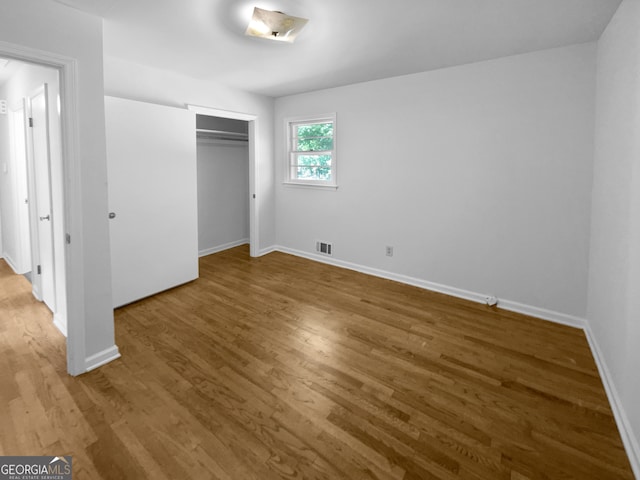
x,y
151,153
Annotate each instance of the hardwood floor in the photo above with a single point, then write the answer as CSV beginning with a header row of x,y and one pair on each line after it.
x,y
282,368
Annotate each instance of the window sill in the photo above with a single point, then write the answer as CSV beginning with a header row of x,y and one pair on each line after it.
x,y
310,185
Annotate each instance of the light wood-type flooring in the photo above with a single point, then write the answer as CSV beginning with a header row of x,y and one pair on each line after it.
x,y
283,368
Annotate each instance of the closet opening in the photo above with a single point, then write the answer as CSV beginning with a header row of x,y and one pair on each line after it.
x,y
224,192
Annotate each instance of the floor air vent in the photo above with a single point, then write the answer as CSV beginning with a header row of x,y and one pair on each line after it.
x,y
324,248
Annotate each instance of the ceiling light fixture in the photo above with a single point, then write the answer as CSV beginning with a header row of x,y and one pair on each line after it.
x,y
274,25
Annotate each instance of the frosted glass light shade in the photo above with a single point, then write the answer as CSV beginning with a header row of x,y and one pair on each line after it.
x,y
274,25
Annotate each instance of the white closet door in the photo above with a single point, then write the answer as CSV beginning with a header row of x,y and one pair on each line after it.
x,y
151,154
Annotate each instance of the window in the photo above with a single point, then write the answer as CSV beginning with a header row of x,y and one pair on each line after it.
x,y
312,151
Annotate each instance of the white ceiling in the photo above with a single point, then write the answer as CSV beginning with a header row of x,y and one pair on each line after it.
x,y
345,41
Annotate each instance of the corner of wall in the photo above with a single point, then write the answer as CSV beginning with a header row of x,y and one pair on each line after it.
x,y
631,443
101,358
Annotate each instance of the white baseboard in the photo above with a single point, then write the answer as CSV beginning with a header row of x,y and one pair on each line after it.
x,y
220,248
542,313
60,323
626,432
101,358
416,282
630,441
11,263
552,316
268,250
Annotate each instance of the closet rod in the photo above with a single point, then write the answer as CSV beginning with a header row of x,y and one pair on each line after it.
x,y
222,132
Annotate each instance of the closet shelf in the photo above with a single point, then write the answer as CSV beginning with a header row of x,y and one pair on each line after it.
x,y
207,134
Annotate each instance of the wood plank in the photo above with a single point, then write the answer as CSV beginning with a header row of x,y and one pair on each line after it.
x,y
278,367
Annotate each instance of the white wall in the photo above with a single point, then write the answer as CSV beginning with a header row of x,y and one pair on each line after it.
x,y
614,278
137,82
51,27
479,176
223,195
9,234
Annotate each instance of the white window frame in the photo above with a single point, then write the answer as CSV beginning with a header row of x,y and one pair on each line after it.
x,y
289,124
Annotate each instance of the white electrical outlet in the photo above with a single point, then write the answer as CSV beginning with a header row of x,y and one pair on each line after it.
x,y
389,251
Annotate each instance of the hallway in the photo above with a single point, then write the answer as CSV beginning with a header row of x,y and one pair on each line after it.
x,y
32,365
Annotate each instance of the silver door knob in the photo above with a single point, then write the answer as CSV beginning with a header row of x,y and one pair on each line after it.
x,y
48,217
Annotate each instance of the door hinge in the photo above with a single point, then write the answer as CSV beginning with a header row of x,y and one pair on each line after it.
x,y
31,122
39,270
68,238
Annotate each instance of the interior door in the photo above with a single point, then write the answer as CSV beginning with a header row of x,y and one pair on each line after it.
x,y
44,272
152,173
22,190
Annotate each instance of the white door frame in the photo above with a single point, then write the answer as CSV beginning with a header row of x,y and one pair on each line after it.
x,y
253,128
34,247
72,200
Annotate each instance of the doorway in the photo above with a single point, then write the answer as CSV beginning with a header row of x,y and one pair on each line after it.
x,y
14,195
223,183
29,194
252,127
31,178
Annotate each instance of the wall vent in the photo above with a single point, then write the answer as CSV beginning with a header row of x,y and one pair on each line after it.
x,y
325,248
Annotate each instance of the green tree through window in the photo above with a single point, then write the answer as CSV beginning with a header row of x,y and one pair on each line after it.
x,y
312,151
